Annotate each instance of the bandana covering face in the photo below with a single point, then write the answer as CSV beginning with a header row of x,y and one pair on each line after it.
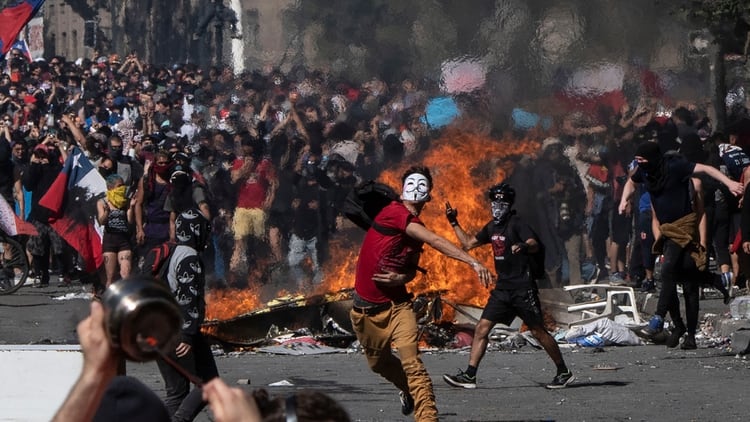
x,y
416,188
163,169
500,210
117,196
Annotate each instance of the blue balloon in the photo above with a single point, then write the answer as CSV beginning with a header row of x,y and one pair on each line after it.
x,y
526,120
440,111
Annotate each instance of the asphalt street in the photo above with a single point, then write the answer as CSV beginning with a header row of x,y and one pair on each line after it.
x,y
641,383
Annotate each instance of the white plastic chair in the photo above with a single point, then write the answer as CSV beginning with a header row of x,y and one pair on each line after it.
x,y
618,300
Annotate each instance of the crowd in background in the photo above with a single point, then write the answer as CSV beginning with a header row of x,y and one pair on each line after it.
x,y
269,156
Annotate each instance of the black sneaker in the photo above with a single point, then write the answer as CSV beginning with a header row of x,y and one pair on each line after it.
x,y
561,380
689,343
461,379
648,285
407,402
674,337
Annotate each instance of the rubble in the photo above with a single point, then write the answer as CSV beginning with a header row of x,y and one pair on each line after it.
x,y
298,325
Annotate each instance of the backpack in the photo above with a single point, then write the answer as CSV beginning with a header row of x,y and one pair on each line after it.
x,y
536,263
365,201
155,261
536,259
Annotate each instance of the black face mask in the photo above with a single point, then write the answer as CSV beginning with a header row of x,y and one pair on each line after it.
x,y
651,152
105,172
115,153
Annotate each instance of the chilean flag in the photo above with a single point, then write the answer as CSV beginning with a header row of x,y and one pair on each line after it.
x,y
13,19
23,47
72,200
11,224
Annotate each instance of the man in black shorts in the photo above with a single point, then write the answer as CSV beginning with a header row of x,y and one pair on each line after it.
x,y
515,293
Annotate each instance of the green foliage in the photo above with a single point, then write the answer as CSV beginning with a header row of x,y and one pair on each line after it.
x,y
719,16
727,20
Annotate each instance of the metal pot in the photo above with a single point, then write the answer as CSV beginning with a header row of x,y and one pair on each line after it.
x,y
139,311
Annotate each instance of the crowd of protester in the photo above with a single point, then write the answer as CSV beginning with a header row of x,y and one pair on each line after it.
x,y
269,156
591,232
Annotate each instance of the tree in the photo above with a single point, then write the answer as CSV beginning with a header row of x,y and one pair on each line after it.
x,y
728,21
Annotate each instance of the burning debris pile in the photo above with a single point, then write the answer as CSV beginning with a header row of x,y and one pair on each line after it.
x,y
464,164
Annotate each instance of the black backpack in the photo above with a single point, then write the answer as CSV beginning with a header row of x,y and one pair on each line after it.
x,y
536,263
365,201
156,259
536,259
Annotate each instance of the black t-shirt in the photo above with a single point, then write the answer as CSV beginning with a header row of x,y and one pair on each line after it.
x,y
674,200
512,269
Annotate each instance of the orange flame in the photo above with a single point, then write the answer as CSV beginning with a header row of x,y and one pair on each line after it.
x,y
463,166
227,304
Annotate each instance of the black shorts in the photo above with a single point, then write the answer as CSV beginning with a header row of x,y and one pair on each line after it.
x,y
621,228
116,242
504,305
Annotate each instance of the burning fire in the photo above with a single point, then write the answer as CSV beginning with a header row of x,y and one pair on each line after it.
x,y
463,165
225,304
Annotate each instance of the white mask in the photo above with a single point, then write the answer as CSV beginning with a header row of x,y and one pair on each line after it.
x,y
416,188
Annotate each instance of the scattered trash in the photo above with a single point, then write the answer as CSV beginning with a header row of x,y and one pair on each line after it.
x,y
73,296
299,348
282,383
606,367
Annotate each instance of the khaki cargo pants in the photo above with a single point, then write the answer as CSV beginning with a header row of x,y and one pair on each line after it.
x,y
397,326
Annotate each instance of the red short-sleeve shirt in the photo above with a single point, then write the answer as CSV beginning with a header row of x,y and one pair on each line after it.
x,y
393,253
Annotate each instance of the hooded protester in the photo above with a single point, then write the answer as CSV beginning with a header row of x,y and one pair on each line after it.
x,y
186,279
677,204
186,193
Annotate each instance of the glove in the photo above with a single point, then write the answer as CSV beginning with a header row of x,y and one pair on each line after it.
x,y
451,214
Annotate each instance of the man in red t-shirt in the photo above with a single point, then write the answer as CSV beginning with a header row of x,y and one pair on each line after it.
x,y
381,314
256,185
